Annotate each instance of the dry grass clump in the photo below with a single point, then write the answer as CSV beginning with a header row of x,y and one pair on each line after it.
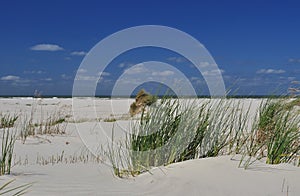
x,y
112,119
142,100
83,157
55,122
7,120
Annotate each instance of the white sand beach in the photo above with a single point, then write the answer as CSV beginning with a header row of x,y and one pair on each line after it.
x,y
60,164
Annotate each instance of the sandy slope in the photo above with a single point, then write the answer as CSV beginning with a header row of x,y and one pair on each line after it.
x,y
212,176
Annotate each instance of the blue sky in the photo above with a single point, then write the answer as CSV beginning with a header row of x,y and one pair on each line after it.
x,y
255,43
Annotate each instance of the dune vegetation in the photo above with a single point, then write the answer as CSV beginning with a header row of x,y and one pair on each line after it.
x,y
174,130
142,100
20,127
170,130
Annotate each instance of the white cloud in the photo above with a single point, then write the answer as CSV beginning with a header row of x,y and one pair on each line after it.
x,y
22,82
46,47
194,78
34,72
78,53
270,71
104,74
295,82
125,64
163,73
48,79
214,72
294,60
137,69
65,76
204,64
122,65
10,78
291,78
197,80
176,59
87,78
81,71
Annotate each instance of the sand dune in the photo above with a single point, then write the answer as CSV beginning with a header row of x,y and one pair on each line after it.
x,y
79,173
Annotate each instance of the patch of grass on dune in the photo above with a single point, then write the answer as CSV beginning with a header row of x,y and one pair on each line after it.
x,y
7,150
173,131
275,133
283,136
54,122
7,120
112,119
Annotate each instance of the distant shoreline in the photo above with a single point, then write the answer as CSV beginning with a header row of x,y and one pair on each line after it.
x,y
133,96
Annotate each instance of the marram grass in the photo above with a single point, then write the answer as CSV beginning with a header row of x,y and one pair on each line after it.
x,y
5,189
175,130
7,149
275,134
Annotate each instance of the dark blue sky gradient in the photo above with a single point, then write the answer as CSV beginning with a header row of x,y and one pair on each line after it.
x,y
255,43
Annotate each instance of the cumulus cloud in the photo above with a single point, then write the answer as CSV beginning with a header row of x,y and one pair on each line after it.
x,y
122,65
137,69
197,80
294,60
194,78
10,78
81,71
65,76
204,64
212,73
177,59
78,53
33,72
270,71
291,78
163,73
48,79
85,75
125,64
86,78
104,74
46,47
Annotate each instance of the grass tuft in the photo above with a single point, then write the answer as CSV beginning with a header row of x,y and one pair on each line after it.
x,y
8,143
110,120
14,191
275,134
176,130
7,120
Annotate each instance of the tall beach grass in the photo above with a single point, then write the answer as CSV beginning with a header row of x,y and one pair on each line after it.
x,y
7,149
275,134
175,130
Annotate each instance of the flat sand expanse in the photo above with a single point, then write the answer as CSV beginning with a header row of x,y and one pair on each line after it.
x,y
80,173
